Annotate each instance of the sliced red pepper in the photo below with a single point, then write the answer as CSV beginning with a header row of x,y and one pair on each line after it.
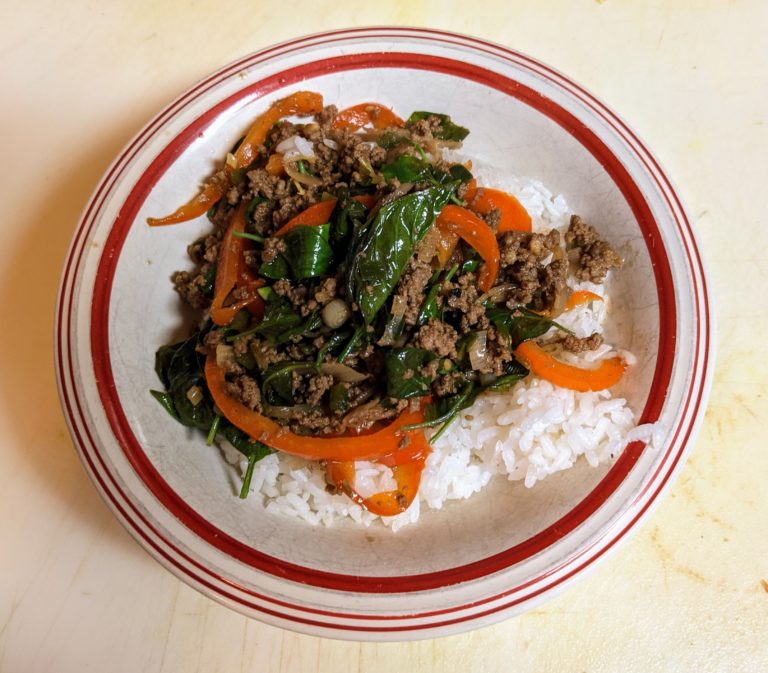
x,y
470,228
366,114
299,103
513,216
580,297
199,205
382,444
320,213
385,503
549,368
317,214
302,103
232,272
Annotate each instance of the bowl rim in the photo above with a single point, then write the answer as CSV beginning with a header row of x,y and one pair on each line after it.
x,y
165,550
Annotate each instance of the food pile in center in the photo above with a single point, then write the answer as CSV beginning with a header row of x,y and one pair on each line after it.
x,y
358,291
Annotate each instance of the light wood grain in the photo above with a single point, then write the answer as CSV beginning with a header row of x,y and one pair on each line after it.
x,y
77,594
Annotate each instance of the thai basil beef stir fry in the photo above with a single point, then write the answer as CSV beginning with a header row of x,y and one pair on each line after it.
x,y
358,291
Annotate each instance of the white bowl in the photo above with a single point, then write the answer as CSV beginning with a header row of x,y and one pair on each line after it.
x,y
473,562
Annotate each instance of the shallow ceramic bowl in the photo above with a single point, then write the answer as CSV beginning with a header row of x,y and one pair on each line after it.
x,y
476,561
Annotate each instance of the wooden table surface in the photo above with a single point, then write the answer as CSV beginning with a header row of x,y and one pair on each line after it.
x,y
686,593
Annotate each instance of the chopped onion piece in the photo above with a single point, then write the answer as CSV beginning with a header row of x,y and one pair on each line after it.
x,y
478,351
195,395
342,372
296,145
496,294
290,168
224,355
328,142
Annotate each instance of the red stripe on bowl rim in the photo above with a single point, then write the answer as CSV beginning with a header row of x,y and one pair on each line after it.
x,y
185,571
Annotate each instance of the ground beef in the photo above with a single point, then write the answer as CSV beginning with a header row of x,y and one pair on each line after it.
x,y
411,289
264,353
245,389
462,297
273,246
193,287
498,353
533,282
438,337
326,291
576,344
594,257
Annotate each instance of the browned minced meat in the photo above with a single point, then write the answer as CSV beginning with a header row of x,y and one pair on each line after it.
x,y
272,248
326,291
462,296
498,353
522,257
576,344
190,287
317,386
438,337
595,258
245,389
411,288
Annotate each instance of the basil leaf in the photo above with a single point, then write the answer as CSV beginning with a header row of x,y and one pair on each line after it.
x,y
407,169
406,362
447,131
279,316
277,386
347,212
308,254
392,139
385,245
518,324
180,367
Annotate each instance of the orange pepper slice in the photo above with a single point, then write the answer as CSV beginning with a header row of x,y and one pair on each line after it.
x,y
366,114
542,364
274,165
514,217
386,503
477,233
382,444
299,103
580,297
232,272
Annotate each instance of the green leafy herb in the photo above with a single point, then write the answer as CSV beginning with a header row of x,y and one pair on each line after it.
x,y
166,401
277,384
407,169
386,245
402,367
338,398
308,254
180,367
520,324
447,131
429,308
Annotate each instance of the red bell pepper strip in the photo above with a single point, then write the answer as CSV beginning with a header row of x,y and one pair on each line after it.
x,y
580,297
366,114
197,206
382,444
232,272
274,165
299,103
317,214
483,200
302,103
541,363
320,213
386,503
476,233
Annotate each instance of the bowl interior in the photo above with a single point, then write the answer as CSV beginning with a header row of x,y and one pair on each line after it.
x,y
145,312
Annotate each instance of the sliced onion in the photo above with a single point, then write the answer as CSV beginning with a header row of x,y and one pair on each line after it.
x,y
449,144
428,246
290,168
289,413
357,416
225,355
328,142
296,145
478,351
195,395
399,304
496,294
342,372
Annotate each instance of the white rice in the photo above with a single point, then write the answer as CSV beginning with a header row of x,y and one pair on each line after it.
x,y
525,434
